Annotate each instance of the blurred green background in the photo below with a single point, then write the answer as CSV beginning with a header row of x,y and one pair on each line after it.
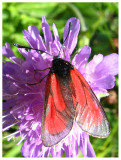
x,y
99,29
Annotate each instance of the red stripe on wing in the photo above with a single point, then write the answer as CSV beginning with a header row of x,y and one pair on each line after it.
x,y
54,123
57,95
78,90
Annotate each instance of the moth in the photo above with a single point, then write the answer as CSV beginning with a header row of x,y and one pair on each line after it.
x,y
69,99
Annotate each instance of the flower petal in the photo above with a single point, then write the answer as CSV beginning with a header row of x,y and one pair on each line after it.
x,y
54,152
100,71
106,82
109,65
40,44
85,146
90,150
74,148
9,86
8,122
90,68
81,58
55,31
47,33
66,149
71,41
98,91
31,36
6,50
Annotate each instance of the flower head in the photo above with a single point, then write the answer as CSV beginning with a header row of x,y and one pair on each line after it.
x,y
24,103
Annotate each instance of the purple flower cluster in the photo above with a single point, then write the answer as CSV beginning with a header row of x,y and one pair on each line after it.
x,y
24,103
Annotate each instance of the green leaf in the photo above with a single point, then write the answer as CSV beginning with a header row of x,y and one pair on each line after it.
x,y
14,151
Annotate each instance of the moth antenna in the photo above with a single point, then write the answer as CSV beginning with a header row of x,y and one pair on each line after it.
x,y
65,38
20,46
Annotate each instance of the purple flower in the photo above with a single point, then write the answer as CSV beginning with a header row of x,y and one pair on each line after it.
x,y
24,103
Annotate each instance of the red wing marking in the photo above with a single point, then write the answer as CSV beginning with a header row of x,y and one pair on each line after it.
x,y
90,115
53,119
58,114
57,95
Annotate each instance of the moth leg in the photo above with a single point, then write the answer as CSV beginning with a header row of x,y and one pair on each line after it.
x,y
42,69
38,81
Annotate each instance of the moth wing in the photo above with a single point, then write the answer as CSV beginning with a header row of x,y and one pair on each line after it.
x,y
90,115
58,114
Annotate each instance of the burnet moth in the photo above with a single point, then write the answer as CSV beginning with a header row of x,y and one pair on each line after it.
x,y
69,99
